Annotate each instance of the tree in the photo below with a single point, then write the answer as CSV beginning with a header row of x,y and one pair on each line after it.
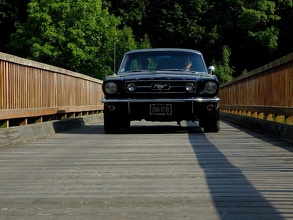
x,y
285,25
172,23
131,12
84,35
223,70
178,23
249,28
10,12
74,34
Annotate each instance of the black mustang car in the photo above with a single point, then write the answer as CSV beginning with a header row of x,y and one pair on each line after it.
x,y
161,85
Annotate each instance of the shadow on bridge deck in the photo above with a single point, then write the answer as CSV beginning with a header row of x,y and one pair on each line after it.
x,y
237,173
233,194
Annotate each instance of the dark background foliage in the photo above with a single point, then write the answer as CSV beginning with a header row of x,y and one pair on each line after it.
x,y
234,35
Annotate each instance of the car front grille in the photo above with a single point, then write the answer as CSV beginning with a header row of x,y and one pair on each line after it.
x,y
160,87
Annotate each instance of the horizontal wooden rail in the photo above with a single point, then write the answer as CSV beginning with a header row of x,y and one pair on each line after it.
x,y
266,92
34,92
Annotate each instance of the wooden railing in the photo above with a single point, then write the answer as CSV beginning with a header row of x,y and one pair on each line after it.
x,y
265,93
33,92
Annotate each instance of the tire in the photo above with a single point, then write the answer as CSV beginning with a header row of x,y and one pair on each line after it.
x,y
212,122
201,123
125,123
111,124
212,126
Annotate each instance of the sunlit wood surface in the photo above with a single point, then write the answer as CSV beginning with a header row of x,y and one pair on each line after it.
x,y
151,171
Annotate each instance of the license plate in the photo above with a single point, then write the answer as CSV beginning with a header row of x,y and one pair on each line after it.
x,y
160,109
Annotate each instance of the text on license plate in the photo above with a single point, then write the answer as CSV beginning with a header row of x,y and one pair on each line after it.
x,y
160,109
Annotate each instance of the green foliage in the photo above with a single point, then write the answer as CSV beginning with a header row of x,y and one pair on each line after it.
x,y
246,26
244,72
123,42
258,22
223,70
144,42
177,23
73,34
267,37
10,11
88,35
132,13
285,25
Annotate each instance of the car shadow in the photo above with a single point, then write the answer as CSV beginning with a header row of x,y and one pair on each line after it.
x,y
233,195
136,128
161,129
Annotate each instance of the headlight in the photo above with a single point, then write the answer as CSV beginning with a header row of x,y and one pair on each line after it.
x,y
110,87
189,87
131,87
211,87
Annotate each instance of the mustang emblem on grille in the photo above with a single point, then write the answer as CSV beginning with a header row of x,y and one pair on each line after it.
x,y
160,86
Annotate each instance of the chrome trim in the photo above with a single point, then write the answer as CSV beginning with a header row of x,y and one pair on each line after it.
x,y
160,86
215,99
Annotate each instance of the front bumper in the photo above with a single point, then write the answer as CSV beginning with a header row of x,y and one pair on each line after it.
x,y
165,100
182,108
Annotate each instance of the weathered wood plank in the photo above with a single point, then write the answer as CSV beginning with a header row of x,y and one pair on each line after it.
x,y
151,171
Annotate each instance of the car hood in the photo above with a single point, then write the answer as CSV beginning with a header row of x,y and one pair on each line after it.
x,y
160,75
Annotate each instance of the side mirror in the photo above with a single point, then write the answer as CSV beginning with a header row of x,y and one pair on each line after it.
x,y
211,70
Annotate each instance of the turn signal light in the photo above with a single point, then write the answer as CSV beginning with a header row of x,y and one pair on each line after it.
x,y
210,107
111,108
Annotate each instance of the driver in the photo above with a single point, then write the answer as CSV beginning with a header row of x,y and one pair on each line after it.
x,y
187,64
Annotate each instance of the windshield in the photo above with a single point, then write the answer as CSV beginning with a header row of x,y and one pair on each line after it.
x,y
162,60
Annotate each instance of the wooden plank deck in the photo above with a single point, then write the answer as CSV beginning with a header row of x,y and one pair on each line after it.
x,y
151,171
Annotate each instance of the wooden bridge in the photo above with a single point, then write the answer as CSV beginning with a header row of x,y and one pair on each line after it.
x,y
151,171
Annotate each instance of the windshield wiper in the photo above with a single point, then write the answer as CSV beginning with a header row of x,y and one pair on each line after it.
x,y
180,70
137,71
171,70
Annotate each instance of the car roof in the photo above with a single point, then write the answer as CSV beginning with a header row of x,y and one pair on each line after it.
x,y
164,49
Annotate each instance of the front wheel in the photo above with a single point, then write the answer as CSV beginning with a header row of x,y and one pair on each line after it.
x,y
125,123
111,124
212,122
212,126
